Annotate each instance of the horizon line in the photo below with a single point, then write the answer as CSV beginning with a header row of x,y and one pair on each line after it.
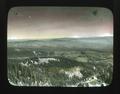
x,y
57,38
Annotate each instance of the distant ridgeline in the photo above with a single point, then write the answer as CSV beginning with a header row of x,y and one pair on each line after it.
x,y
94,43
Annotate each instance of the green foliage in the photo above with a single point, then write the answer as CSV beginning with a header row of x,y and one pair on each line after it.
x,y
50,72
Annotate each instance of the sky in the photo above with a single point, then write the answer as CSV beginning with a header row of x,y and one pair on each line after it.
x,y
59,22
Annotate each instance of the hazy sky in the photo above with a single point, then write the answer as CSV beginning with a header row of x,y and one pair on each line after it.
x,y
59,22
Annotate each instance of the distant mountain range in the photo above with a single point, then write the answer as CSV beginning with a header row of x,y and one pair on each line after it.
x,y
97,43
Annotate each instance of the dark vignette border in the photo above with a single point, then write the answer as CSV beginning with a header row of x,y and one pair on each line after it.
x,y
5,5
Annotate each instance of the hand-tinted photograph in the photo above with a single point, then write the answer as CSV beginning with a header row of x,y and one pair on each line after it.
x,y
60,46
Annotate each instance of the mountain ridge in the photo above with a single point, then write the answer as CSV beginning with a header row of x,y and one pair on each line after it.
x,y
98,43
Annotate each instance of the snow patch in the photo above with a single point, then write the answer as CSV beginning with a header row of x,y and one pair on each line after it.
x,y
46,60
73,72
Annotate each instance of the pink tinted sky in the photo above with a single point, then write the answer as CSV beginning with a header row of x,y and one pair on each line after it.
x,y
59,22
